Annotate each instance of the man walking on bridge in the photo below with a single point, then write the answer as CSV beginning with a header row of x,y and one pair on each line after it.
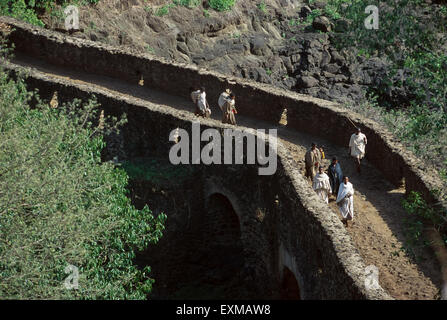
x,y
202,103
312,160
223,98
195,93
335,175
357,145
229,110
345,200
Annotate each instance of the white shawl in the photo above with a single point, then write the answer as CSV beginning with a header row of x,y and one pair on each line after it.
x,y
321,181
345,199
357,144
345,189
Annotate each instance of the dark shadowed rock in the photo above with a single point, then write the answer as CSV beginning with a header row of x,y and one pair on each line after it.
x,y
332,68
325,58
156,23
322,23
307,82
337,57
257,45
305,11
342,25
181,46
318,5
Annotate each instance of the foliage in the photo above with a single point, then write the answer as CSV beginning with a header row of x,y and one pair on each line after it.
x,y
187,3
411,37
222,5
156,171
311,16
150,49
164,10
262,6
30,10
421,213
60,205
20,10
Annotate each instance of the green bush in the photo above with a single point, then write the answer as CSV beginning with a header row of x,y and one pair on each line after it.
x,y
20,10
164,10
60,205
421,214
262,6
29,11
222,5
187,3
411,42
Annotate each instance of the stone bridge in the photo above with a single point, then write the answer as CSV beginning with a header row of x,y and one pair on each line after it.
x,y
288,236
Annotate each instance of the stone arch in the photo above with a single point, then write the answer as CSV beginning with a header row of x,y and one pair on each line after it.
x,y
291,281
221,247
222,218
212,187
290,289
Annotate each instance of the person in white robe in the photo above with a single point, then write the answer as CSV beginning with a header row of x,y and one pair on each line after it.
x,y
345,200
357,146
321,185
195,93
203,105
224,96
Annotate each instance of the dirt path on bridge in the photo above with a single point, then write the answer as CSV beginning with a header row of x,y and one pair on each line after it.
x,y
378,230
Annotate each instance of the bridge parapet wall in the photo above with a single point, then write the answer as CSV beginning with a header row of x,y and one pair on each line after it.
x,y
304,113
281,213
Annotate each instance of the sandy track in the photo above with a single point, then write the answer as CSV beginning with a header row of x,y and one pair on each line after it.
x,y
377,231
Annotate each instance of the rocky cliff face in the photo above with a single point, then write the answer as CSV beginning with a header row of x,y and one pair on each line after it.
x,y
267,41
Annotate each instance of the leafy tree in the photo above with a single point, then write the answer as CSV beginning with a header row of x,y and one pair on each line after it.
x,y
411,37
30,10
222,5
60,205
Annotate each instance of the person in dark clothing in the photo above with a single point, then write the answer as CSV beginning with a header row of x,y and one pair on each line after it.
x,y
335,175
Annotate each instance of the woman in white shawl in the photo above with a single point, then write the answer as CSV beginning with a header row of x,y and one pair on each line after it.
x,y
321,185
345,200
202,104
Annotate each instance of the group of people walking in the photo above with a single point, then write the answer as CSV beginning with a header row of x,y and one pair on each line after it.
x,y
325,184
334,182
226,103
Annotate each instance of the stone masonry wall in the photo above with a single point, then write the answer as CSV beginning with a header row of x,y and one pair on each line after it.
x,y
294,223
262,101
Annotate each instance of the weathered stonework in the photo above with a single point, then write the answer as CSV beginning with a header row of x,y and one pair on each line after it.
x,y
298,231
254,99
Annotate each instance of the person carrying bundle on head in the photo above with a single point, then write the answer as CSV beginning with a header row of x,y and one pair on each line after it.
x,y
202,103
195,93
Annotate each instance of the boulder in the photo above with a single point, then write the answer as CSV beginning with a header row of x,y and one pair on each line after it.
x,y
318,5
307,82
342,25
332,68
305,11
322,24
325,58
258,45
337,57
